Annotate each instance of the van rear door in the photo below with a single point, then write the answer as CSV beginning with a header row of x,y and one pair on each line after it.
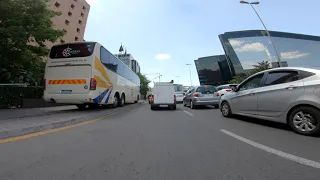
x,y
163,94
68,79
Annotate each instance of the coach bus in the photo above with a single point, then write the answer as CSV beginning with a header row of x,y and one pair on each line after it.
x,y
87,74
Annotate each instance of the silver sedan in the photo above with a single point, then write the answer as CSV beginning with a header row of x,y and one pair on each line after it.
x,y
287,95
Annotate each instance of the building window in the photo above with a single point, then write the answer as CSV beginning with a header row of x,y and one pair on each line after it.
x,y
72,6
57,4
70,13
80,22
84,8
78,30
82,14
62,41
76,38
67,22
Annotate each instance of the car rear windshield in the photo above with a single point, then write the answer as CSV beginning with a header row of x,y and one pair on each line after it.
x,y
72,50
206,89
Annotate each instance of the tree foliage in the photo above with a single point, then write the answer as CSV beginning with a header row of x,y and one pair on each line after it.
x,y
260,66
25,27
144,84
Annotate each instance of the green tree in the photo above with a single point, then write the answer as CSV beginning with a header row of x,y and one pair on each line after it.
x,y
25,27
260,66
144,84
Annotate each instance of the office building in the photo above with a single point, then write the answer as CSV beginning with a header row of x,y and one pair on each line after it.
x,y
135,67
243,49
246,48
213,70
73,19
128,60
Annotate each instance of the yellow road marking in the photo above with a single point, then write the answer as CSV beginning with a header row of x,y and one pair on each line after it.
x,y
27,136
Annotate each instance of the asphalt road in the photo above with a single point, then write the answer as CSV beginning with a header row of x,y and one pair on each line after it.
x,y
137,143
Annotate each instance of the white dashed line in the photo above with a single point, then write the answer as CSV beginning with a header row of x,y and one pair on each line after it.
x,y
188,113
274,151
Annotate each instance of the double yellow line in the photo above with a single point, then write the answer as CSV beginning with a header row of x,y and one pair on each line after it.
x,y
53,130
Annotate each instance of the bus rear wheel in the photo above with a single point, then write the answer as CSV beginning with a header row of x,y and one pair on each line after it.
x,y
122,100
115,101
137,99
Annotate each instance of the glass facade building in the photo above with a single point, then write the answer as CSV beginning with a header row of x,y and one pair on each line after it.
x,y
245,48
213,70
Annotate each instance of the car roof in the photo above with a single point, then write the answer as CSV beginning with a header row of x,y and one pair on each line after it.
x,y
294,68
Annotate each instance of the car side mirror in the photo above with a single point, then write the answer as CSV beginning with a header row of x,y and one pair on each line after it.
x,y
234,88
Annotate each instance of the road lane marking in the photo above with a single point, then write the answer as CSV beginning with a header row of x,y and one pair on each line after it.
x,y
188,113
52,130
274,151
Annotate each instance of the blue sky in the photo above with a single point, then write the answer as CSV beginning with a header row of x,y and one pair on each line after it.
x,y
165,35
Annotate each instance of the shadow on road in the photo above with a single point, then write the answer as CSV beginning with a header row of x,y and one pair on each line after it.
x,y
261,122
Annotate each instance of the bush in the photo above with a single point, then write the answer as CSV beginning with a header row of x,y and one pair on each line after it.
x,y
13,95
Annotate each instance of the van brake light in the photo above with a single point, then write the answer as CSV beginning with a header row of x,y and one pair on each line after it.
x,y
93,84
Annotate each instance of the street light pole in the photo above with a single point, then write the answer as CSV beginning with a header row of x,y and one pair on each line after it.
x,y
178,78
270,38
190,73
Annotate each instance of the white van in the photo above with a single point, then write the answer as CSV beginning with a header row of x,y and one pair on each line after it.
x,y
163,96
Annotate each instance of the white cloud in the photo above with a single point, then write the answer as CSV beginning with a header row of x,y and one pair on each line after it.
x,y
234,42
254,47
293,55
162,56
92,2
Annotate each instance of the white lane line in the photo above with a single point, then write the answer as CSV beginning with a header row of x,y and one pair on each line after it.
x,y
188,113
274,151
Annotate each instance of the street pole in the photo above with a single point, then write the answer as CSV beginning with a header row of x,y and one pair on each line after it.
x,y
190,73
267,31
178,78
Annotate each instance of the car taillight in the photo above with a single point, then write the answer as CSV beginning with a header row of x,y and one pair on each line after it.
x,y
44,84
196,94
228,90
217,94
93,84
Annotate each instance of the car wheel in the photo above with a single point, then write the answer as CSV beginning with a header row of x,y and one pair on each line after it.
x,y
81,106
115,101
225,109
305,120
192,106
184,104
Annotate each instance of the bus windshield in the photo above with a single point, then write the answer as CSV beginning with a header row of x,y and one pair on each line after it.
x,y
72,50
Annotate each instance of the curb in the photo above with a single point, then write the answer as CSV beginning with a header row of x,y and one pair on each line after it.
x,y
35,129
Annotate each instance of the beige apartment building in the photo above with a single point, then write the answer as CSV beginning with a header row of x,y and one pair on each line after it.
x,y
73,19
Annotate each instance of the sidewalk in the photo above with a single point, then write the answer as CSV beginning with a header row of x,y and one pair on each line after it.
x,y
18,122
6,114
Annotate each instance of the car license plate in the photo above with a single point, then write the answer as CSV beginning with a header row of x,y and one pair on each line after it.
x,y
66,91
163,106
208,95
